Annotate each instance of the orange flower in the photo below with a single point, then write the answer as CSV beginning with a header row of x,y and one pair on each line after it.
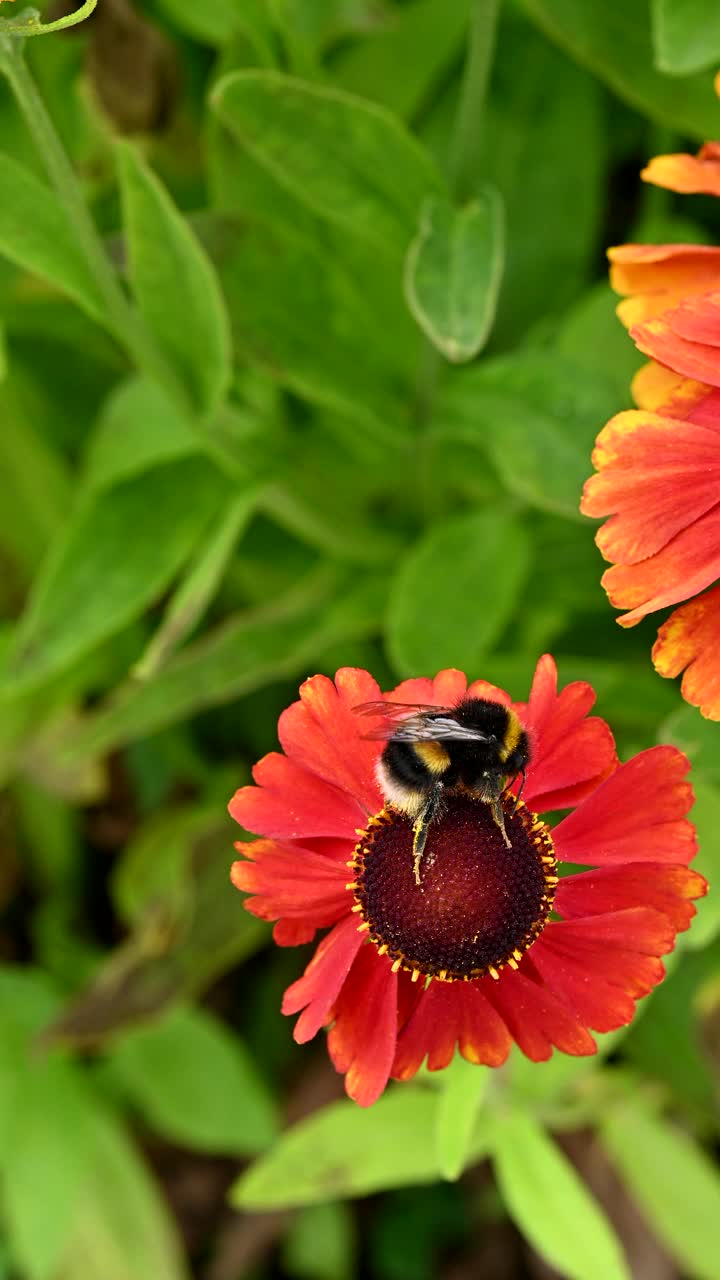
x,y
658,467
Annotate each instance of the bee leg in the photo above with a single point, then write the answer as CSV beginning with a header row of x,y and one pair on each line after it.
x,y
499,817
421,826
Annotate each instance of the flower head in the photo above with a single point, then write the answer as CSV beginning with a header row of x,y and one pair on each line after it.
x,y
658,467
494,945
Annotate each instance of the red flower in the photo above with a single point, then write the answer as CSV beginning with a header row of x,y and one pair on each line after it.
x,y
658,469
470,957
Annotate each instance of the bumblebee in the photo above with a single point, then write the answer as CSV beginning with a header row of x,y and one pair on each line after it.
x,y
477,747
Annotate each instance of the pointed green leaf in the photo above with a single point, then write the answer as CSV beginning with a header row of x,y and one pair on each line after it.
x,y
549,1202
686,35
673,1181
344,1150
119,550
464,1086
122,1228
165,1068
175,284
36,233
455,591
453,271
352,161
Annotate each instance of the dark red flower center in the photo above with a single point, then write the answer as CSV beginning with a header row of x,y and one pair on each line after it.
x,y
479,905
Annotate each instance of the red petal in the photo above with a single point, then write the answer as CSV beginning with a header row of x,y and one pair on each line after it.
x,y
362,1039
689,563
689,639
450,1014
594,1001
636,815
621,948
570,754
445,690
322,734
292,882
291,802
293,933
535,1017
322,980
662,886
657,475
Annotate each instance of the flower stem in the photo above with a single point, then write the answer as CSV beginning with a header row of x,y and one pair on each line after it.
x,y
123,320
473,91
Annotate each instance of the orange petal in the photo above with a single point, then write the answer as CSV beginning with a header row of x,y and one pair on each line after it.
x,y
662,390
660,339
688,564
689,641
691,175
656,476
659,276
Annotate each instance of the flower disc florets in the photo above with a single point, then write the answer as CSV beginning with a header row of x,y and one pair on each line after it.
x,y
480,903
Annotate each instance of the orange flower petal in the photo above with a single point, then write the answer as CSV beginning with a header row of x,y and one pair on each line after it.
x,y
661,339
656,476
664,391
655,277
689,641
687,565
688,174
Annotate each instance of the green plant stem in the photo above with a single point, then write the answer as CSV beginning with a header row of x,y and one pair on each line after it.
x,y
123,320
29,24
473,91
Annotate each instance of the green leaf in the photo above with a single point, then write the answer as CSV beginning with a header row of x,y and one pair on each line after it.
x,y
344,1150
590,336
352,162
455,591
213,21
464,1086
199,585
674,1182
398,62
119,551
311,322
453,271
122,1228
139,427
36,486
175,284
613,39
536,417
195,1083
686,35
36,233
535,1178
245,653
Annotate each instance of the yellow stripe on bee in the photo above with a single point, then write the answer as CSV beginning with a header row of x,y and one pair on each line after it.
x,y
433,755
511,736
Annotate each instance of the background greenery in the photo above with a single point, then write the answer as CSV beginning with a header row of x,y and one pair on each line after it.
x,y
244,438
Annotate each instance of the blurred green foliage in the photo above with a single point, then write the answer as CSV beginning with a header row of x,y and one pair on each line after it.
x,y
246,249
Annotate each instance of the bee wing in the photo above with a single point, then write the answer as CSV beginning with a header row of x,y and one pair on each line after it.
x,y
408,722
392,715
